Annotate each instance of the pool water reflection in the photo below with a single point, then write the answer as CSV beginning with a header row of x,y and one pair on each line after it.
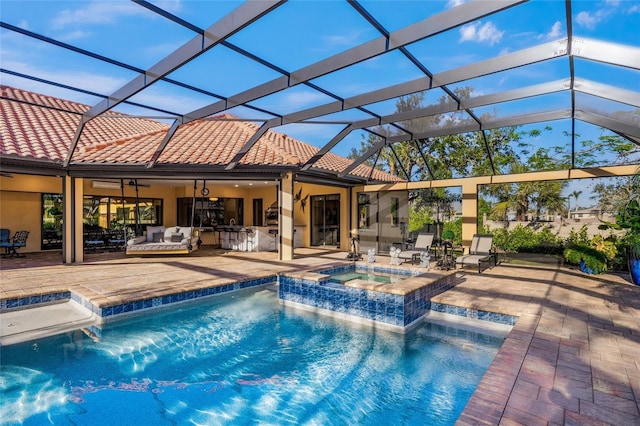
x,y
244,358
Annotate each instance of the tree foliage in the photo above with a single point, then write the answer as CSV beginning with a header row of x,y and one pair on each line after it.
x,y
507,150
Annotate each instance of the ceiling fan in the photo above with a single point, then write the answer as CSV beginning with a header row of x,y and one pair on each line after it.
x,y
134,182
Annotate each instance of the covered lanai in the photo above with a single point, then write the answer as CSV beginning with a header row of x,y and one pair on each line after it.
x,y
332,74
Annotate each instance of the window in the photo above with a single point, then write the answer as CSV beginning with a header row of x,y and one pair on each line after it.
x,y
114,213
210,211
395,210
363,211
51,221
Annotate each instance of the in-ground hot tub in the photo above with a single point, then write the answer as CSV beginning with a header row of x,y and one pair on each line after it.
x,y
397,306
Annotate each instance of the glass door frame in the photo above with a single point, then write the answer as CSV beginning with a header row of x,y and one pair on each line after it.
x,y
325,220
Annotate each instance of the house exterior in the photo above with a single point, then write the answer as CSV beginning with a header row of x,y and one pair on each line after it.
x,y
122,176
591,213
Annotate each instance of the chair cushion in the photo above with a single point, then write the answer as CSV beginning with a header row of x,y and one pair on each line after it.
x,y
472,259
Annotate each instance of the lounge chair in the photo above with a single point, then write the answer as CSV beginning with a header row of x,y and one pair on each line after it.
x,y
11,245
423,243
481,251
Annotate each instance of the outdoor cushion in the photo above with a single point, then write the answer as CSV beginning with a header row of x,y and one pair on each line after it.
x,y
152,230
184,230
173,239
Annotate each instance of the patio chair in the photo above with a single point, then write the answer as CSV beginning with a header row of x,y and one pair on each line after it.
x,y
11,246
481,251
423,243
94,240
5,240
116,240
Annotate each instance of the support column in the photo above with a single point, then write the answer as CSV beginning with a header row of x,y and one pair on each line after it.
x,y
286,231
469,213
72,237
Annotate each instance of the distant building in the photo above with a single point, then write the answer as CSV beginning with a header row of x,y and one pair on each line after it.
x,y
590,213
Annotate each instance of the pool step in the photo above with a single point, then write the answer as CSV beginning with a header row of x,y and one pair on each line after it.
x,y
33,323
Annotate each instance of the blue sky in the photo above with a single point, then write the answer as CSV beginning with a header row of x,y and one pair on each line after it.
x,y
295,35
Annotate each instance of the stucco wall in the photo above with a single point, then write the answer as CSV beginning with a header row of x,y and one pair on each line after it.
x,y
21,205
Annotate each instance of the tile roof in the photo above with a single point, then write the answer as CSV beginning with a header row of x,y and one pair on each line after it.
x,y
42,127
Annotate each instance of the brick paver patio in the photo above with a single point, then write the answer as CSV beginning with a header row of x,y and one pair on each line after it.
x,y
572,358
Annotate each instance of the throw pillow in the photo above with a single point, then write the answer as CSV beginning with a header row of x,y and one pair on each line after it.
x,y
152,230
158,237
176,238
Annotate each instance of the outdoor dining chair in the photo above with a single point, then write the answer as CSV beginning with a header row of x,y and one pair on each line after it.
x,y
11,246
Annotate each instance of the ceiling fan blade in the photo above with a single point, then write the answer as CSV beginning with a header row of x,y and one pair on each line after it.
x,y
134,182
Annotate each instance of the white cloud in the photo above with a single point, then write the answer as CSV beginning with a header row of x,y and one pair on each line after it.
x,y
86,80
97,13
303,98
481,33
590,20
585,19
555,32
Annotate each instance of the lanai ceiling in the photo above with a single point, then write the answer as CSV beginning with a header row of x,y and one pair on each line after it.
x,y
332,73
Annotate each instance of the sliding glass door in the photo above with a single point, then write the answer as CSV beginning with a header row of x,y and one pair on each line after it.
x,y
325,220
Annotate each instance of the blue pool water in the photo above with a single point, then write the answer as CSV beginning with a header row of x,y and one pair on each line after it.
x,y
343,277
243,359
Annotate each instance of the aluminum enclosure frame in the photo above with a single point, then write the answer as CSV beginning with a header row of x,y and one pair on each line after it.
x,y
569,48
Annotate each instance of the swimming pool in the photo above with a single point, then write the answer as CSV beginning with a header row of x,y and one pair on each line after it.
x,y
243,358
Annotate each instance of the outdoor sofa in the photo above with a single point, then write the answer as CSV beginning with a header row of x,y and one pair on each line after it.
x,y
161,240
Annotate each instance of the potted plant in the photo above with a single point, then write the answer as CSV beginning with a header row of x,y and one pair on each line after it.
x,y
590,260
628,218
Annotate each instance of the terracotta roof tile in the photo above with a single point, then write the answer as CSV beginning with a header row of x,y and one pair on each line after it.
x,y
45,128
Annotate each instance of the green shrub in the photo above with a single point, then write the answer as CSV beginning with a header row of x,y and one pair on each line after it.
x,y
419,218
455,227
524,239
594,260
581,237
606,246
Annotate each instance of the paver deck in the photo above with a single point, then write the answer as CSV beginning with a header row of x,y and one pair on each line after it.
x,y
572,358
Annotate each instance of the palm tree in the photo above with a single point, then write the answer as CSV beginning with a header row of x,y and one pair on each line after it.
x,y
576,194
